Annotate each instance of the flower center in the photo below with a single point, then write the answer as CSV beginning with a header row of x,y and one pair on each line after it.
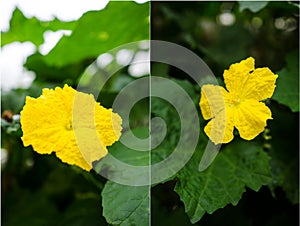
x,y
233,99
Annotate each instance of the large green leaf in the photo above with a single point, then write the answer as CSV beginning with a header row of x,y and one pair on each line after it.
x,y
287,90
126,205
238,165
99,31
23,29
128,155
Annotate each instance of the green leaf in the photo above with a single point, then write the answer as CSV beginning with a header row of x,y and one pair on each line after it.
x,y
253,6
130,156
122,163
287,90
166,111
14,99
45,72
23,29
179,126
99,31
126,205
238,165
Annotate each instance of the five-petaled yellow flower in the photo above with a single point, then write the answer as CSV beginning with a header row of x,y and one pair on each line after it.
x,y
71,124
240,105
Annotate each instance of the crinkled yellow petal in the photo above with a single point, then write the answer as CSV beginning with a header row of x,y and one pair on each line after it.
x,y
108,125
251,118
212,100
95,116
236,77
39,122
82,149
220,128
260,85
95,127
77,129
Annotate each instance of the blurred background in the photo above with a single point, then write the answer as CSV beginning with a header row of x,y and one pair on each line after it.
x,y
48,45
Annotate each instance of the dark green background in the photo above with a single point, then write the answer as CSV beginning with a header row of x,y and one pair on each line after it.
x,y
40,190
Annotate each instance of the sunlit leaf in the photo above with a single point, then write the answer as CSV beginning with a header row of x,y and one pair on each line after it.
x,y
99,31
23,29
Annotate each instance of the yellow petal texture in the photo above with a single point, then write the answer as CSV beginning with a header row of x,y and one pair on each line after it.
x,y
260,85
240,107
213,105
71,124
249,83
212,100
220,128
236,77
251,118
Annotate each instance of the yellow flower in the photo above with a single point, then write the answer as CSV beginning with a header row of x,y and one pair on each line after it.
x,y
71,124
240,105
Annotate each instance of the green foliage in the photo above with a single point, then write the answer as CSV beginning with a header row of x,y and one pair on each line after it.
x,y
11,127
41,190
239,164
287,91
99,31
23,29
164,110
126,205
44,72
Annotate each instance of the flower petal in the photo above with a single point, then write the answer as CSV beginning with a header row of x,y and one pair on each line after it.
x,y
108,125
70,154
260,84
220,128
237,75
81,148
40,124
89,114
251,118
212,100
77,131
